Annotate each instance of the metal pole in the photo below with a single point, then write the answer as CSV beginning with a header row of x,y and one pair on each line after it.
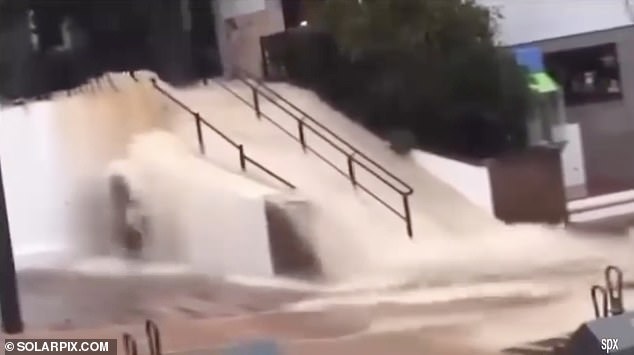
x,y
351,174
302,139
243,162
199,133
9,303
408,216
256,103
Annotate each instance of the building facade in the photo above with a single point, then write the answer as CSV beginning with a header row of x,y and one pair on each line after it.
x,y
239,26
588,48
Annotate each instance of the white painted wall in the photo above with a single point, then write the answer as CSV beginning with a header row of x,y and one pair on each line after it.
x,y
474,183
57,156
233,8
54,154
254,18
471,181
200,215
36,191
51,157
573,165
532,20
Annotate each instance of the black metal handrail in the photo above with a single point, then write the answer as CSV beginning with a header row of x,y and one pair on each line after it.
x,y
407,188
200,121
153,337
405,191
130,345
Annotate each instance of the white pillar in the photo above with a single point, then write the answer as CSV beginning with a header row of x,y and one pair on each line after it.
x,y
221,36
254,18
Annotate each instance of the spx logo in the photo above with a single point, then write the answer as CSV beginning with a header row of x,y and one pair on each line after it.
x,y
609,345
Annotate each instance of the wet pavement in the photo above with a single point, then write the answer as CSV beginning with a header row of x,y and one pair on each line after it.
x,y
196,313
70,300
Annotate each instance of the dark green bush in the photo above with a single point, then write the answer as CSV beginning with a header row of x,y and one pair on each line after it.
x,y
427,66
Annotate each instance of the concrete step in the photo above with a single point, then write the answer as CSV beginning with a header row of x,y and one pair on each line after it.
x,y
615,226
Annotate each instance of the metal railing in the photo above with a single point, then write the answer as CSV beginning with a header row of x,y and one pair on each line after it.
x,y
355,158
130,345
200,122
155,345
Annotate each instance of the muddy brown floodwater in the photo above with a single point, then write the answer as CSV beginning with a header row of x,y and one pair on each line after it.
x,y
198,313
467,284
195,313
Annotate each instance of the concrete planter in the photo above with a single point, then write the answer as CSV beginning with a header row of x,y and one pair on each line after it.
x,y
528,186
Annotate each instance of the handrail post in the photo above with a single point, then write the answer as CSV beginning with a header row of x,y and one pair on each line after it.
x,y
154,337
302,138
199,131
408,215
256,103
614,291
129,344
243,163
351,173
9,299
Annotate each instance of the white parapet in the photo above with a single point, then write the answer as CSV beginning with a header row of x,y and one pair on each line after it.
x,y
603,206
199,214
471,181
57,156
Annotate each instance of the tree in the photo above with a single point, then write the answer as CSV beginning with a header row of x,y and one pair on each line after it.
x,y
394,26
431,66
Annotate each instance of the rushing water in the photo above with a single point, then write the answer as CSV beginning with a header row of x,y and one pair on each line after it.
x,y
458,253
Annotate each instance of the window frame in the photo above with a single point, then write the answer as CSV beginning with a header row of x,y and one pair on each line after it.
x,y
582,60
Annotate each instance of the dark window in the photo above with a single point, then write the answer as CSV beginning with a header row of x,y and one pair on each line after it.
x,y
48,25
589,74
297,11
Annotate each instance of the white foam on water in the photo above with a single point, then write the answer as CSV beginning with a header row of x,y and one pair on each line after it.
x,y
113,266
322,286
429,295
361,245
54,153
412,323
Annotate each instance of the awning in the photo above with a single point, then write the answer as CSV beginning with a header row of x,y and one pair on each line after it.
x,y
542,83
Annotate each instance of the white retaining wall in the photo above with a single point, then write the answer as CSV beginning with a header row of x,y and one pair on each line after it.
x,y
600,207
470,180
211,219
55,156
36,188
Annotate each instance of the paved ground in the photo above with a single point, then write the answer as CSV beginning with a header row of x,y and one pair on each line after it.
x,y
71,300
195,313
